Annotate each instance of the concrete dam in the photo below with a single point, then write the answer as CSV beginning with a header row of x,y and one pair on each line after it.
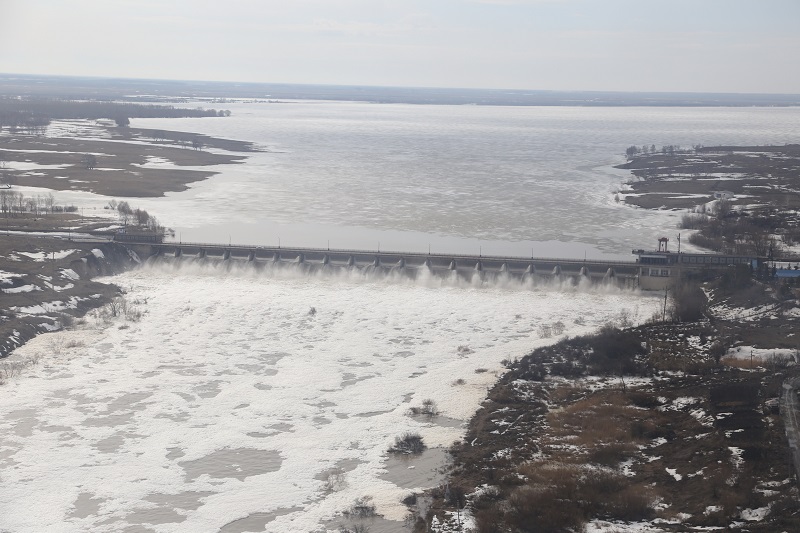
x,y
623,273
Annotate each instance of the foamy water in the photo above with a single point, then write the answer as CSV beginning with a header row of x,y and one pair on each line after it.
x,y
231,399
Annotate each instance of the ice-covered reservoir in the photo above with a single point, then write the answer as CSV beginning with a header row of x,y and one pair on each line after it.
x,y
230,399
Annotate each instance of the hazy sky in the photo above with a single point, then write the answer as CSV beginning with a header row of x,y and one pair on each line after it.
x,y
637,45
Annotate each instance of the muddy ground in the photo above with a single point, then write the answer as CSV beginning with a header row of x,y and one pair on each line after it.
x,y
120,160
765,175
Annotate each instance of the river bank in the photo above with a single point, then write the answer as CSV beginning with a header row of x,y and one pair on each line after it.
x,y
47,283
94,156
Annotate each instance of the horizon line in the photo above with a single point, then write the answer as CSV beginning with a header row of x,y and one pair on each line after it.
x,y
7,75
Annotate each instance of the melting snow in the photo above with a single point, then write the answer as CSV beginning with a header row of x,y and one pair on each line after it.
x,y
46,256
755,515
21,288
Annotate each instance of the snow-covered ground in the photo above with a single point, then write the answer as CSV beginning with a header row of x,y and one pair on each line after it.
x,y
232,397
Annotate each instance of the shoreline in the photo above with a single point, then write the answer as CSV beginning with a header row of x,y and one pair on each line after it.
x,y
116,161
49,283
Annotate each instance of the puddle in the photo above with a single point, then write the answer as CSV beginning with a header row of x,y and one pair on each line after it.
x,y
335,478
86,505
108,421
188,501
158,515
6,457
439,420
349,379
128,402
104,347
253,369
175,417
256,521
259,435
208,390
24,428
376,524
273,358
110,444
56,429
417,471
237,463
371,414
175,453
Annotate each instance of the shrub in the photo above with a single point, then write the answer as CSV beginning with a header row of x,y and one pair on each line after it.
x,y
689,303
358,528
737,277
429,407
410,500
693,221
361,508
408,443
615,351
648,400
778,361
335,480
611,454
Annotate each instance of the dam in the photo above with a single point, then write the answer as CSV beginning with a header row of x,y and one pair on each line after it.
x,y
624,273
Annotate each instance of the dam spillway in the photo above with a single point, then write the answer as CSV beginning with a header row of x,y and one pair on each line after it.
x,y
624,273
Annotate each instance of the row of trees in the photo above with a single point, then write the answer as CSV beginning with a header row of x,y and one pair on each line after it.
x,y
34,115
669,149
13,203
131,216
733,231
19,121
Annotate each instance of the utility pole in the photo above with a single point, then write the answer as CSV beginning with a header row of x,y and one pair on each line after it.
x,y
664,313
